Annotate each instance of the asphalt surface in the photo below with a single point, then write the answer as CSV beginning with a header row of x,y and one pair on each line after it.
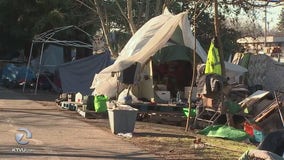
x,y
55,135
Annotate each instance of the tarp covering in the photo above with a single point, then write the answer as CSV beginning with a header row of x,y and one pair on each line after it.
x,y
161,31
77,76
264,71
224,131
17,74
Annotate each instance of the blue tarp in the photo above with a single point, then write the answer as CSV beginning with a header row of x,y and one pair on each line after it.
x,y
15,74
78,75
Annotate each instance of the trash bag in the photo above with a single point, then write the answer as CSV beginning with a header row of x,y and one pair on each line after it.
x,y
127,97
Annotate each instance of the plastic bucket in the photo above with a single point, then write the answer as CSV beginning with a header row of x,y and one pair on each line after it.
x,y
122,119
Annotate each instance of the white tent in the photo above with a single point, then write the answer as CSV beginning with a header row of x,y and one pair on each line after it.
x,y
52,56
160,31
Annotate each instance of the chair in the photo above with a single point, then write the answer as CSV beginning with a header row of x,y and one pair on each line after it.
x,y
208,111
210,91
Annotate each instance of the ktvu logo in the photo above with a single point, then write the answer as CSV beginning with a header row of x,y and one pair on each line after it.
x,y
20,140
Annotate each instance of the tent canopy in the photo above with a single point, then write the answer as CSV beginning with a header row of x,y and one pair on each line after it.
x,y
54,36
158,32
161,31
48,57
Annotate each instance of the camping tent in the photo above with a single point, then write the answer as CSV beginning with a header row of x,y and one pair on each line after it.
x,y
77,76
52,55
158,32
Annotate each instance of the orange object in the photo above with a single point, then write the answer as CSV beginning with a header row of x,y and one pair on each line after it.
x,y
248,128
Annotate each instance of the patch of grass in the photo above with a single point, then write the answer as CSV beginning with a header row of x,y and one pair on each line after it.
x,y
185,148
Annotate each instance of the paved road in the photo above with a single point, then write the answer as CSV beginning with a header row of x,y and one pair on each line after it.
x,y
56,135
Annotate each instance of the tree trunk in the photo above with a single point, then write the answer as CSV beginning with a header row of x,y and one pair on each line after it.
x,y
130,17
158,7
147,10
140,8
217,34
193,70
103,24
229,116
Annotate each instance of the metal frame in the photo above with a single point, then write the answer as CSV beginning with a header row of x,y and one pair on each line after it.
x,y
48,37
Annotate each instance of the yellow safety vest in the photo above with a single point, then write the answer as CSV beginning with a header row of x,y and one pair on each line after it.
x,y
213,64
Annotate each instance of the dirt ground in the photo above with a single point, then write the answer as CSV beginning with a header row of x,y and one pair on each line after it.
x,y
167,141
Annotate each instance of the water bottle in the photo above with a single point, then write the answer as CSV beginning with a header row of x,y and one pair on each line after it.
x,y
178,97
78,97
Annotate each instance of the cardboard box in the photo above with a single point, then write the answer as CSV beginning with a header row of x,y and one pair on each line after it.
x,y
207,102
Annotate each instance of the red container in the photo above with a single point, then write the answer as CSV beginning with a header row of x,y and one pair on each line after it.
x,y
248,128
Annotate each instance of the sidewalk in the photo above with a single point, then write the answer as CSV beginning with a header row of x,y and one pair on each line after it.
x,y
56,135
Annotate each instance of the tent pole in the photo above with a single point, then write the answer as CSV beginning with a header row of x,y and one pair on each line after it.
x,y
39,69
28,66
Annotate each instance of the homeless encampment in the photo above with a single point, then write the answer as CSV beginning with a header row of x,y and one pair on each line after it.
x,y
166,30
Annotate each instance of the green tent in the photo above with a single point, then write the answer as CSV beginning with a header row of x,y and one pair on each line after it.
x,y
174,52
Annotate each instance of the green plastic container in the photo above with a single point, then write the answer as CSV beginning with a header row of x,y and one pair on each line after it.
x,y
100,103
192,112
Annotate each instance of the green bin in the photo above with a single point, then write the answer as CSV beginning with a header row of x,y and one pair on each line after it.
x,y
100,103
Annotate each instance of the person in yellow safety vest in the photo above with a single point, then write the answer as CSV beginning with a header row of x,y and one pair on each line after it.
x,y
213,64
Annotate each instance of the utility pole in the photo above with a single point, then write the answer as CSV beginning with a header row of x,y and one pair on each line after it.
x,y
265,25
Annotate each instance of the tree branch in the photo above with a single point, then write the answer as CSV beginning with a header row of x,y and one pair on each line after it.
x,y
206,6
120,9
86,5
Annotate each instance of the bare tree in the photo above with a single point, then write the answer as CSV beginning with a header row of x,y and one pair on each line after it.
x,y
158,7
129,16
103,20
